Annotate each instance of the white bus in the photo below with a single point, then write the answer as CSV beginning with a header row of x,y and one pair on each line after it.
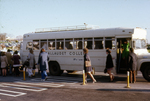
x,y
65,47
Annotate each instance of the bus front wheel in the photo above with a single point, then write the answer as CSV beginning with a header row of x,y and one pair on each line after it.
x,y
146,73
54,69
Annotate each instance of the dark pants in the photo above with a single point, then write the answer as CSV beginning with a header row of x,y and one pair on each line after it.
x,y
16,70
0,71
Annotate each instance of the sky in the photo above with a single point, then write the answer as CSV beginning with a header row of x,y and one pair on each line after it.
x,y
18,17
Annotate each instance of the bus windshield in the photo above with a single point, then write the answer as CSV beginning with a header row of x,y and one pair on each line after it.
x,y
139,44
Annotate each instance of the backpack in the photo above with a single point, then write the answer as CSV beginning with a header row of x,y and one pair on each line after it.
x,y
26,63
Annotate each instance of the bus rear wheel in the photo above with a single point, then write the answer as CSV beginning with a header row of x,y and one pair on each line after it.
x,y
54,69
146,73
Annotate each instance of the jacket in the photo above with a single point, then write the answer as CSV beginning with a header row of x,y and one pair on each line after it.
x,y
31,59
16,58
43,61
9,58
109,62
4,61
133,65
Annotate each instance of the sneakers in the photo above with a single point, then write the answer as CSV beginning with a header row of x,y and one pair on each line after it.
x,y
46,78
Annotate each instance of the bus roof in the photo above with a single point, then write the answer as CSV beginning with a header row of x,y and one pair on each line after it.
x,y
103,32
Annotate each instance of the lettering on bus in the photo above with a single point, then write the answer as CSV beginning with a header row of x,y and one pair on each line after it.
x,y
65,53
57,53
75,53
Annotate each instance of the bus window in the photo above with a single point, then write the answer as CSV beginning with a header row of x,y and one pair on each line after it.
x,y
60,44
88,43
98,43
29,46
51,44
35,44
140,44
78,43
44,44
143,44
68,44
110,42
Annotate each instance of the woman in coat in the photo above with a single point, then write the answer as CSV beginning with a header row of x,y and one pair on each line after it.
x,y
132,65
9,58
4,63
31,59
109,64
43,62
16,61
87,70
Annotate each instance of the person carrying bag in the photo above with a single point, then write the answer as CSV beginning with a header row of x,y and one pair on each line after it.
x,y
31,59
87,65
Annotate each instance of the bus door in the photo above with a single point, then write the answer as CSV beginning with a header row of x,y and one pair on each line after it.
x,y
123,45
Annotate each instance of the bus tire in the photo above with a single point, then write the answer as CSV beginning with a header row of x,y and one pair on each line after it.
x,y
146,73
54,69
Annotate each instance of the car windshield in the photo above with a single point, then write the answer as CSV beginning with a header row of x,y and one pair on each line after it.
x,y
139,44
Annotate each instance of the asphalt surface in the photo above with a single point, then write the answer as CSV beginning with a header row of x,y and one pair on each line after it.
x,y
69,87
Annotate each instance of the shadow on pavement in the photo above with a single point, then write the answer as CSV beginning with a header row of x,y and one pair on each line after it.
x,y
139,90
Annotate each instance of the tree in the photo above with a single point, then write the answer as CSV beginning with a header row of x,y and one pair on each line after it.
x,y
2,36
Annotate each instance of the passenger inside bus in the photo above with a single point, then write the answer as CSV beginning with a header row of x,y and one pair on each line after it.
x,y
68,45
29,46
44,45
98,45
108,44
60,45
89,45
35,45
80,45
122,54
51,44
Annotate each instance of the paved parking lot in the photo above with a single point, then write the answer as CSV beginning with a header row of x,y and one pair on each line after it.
x,y
11,86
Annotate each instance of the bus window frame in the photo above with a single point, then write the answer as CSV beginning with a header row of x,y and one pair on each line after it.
x,y
112,39
98,40
43,41
68,40
88,40
60,40
27,43
54,40
80,39
39,45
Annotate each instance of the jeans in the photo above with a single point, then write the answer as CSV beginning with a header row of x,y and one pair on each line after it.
x,y
43,74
